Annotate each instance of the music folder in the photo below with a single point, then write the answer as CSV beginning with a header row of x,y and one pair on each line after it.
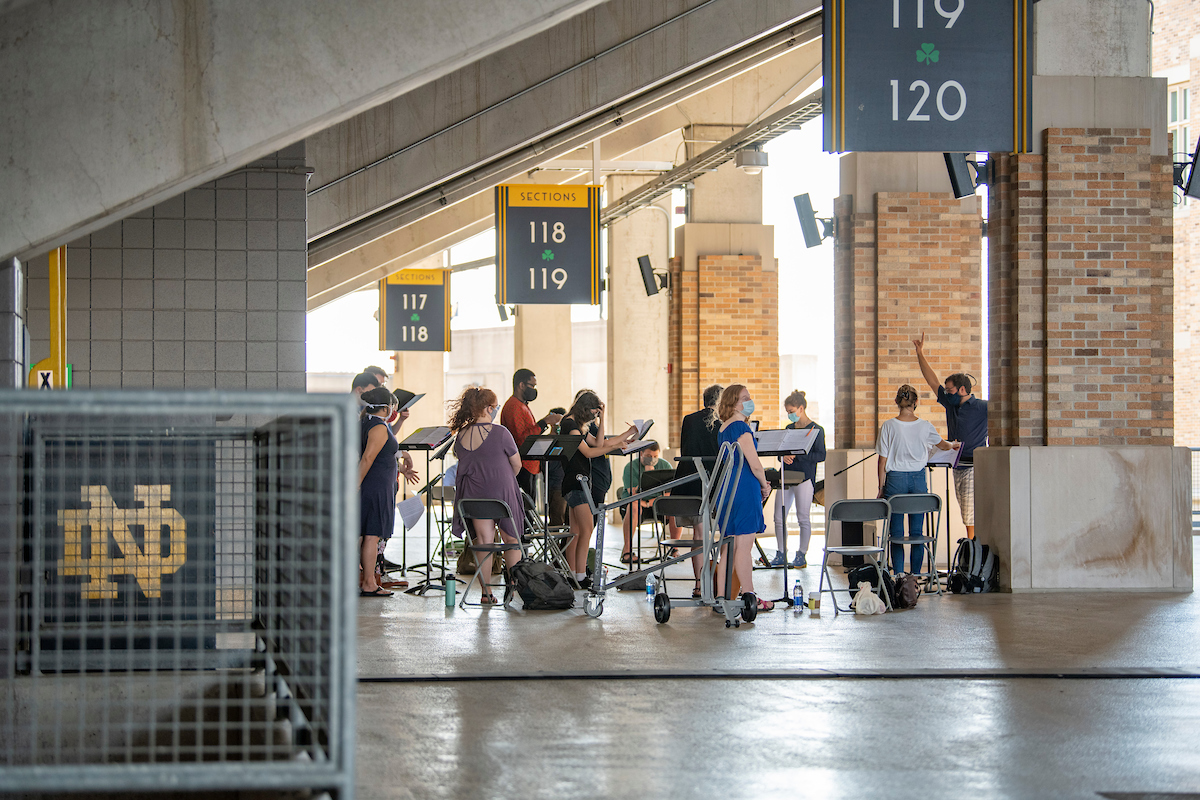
x,y
554,447
426,438
945,458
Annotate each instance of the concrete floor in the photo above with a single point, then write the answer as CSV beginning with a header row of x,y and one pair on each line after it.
x,y
1047,695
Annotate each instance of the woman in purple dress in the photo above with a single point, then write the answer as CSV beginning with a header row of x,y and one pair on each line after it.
x,y
487,470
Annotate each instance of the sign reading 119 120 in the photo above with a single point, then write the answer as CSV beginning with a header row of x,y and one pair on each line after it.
x,y
926,75
547,244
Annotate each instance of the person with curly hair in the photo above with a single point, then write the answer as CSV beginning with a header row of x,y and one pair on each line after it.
x,y
903,449
488,464
745,519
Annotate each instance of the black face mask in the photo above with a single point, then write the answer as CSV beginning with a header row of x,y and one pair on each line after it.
x,y
529,394
953,400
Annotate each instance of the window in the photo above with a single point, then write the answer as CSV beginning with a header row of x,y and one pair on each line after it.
x,y
1178,119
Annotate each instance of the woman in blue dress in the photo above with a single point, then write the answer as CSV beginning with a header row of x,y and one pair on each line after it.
x,y
377,474
745,518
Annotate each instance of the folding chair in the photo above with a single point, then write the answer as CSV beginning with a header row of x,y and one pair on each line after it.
x,y
495,510
929,505
856,511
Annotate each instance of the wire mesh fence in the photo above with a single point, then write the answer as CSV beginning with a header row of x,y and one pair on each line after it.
x,y
176,577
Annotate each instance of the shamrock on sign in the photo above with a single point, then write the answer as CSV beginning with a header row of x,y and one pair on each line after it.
x,y
927,54
548,255
415,317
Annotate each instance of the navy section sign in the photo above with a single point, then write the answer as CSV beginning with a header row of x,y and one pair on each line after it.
x,y
414,310
926,76
548,244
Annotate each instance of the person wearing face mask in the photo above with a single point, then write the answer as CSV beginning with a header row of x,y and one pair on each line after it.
x,y
519,421
488,464
631,480
966,422
803,469
586,410
745,519
377,476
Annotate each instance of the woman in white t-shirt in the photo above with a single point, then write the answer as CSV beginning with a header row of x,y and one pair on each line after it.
x,y
903,449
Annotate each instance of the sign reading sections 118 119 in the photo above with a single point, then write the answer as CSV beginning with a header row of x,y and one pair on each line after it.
x,y
926,76
414,310
547,244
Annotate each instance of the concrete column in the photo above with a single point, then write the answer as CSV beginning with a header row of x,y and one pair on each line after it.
x,y
725,297
12,325
637,323
542,343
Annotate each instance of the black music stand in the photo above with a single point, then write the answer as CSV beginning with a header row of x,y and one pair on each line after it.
x,y
546,448
780,443
429,439
956,461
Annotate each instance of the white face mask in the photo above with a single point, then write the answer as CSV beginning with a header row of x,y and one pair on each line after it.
x,y
495,409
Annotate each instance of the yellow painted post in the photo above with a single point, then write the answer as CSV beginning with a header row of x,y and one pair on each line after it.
x,y
56,364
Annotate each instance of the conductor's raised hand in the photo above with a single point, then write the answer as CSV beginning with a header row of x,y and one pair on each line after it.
x,y
920,343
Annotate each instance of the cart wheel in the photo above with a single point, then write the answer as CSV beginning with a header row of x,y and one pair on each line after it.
x,y
593,607
749,606
662,608
737,623
728,624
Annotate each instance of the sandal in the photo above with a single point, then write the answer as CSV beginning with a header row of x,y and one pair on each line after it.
x,y
630,558
376,593
487,600
696,593
765,605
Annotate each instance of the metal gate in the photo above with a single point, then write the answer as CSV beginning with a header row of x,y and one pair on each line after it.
x,y
177,573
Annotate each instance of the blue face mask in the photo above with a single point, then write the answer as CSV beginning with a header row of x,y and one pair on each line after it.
x,y
793,416
952,400
748,407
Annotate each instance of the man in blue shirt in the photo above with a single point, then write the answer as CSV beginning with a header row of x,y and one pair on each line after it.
x,y
966,422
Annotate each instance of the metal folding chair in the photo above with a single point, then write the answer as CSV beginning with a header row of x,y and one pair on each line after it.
x,y
857,511
546,543
930,505
472,509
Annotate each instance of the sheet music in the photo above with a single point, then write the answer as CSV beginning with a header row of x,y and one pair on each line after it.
x,y
427,437
412,402
635,447
642,425
411,511
788,440
950,457
540,447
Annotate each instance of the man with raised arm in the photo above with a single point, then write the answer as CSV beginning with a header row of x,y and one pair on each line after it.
x,y
966,422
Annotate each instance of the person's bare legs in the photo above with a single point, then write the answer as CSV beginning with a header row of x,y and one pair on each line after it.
x,y
970,531
627,525
743,564
368,550
581,526
485,533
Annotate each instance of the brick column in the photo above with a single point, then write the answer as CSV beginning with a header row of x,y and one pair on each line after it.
x,y
724,319
913,265
1080,292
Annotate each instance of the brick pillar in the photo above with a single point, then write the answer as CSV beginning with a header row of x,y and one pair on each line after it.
x,y
724,318
1080,300
913,265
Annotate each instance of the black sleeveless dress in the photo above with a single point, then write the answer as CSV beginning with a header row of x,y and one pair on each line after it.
x,y
377,497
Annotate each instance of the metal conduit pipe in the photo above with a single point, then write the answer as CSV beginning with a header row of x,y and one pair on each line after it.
x,y
525,158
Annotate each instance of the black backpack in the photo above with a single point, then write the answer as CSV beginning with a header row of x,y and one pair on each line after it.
x,y
540,587
976,569
867,574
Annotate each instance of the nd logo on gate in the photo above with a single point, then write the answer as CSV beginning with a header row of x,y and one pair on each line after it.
x,y
106,522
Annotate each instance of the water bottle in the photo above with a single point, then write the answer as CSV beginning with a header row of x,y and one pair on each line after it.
x,y
797,598
651,588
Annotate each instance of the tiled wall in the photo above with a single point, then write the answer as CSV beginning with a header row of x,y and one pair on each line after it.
x,y
206,290
912,266
1082,292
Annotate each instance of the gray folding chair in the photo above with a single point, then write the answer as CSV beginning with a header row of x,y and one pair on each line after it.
x,y
929,505
471,509
857,511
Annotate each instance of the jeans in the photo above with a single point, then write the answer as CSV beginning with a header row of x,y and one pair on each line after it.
x,y
906,483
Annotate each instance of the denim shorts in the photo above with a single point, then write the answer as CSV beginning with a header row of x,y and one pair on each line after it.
x,y
576,497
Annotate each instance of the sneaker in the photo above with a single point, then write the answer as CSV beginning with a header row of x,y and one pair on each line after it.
x,y
778,560
800,562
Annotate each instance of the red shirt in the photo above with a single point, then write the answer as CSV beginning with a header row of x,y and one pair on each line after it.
x,y
519,420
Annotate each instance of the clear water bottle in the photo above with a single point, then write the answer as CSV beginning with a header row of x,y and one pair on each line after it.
x,y
797,597
651,588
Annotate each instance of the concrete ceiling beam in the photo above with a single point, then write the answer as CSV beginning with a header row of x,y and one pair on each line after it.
x,y
110,108
623,61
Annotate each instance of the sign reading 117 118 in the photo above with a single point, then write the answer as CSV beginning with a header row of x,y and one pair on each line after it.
x,y
547,244
414,310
